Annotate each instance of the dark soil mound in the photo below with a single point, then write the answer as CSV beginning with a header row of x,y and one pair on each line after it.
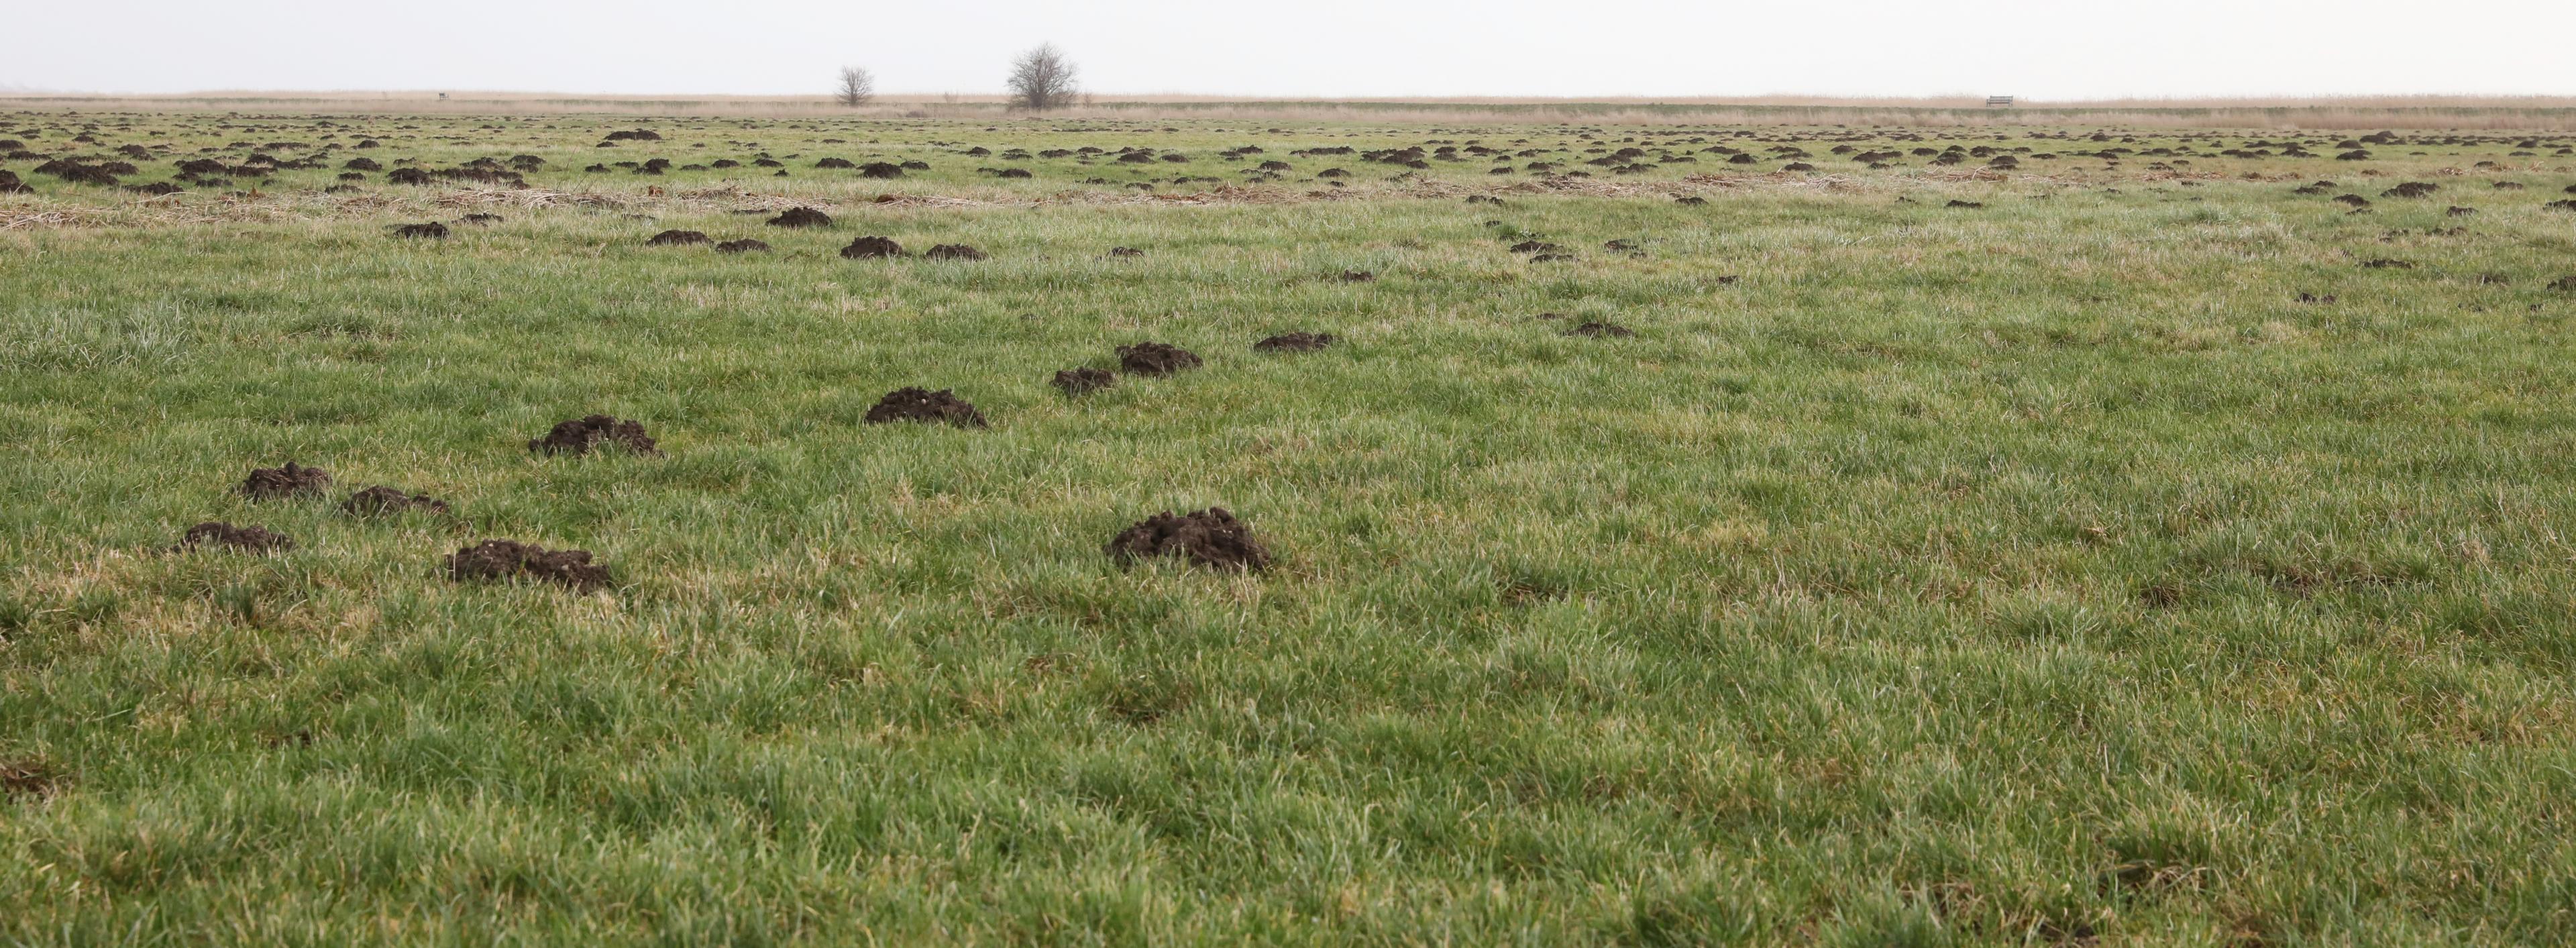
x,y
2354,200
389,500
801,217
246,539
2388,264
1690,200
2568,205
1210,538
638,135
2458,211
156,189
1296,342
1535,246
1601,330
509,559
27,778
954,252
923,405
866,247
1154,358
271,483
408,176
1125,252
1084,381
2411,189
675,238
2565,284
834,163
1358,276
481,218
580,435
879,169
9,183
429,231
1971,205
745,245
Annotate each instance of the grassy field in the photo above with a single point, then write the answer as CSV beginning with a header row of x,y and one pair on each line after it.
x,y
2039,572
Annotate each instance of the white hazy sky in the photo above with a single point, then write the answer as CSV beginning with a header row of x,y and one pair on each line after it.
x,y
2039,49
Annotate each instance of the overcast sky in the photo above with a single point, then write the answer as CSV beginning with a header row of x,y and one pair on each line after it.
x,y
2039,49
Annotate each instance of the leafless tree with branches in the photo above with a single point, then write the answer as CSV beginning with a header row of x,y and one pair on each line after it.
x,y
1042,78
856,88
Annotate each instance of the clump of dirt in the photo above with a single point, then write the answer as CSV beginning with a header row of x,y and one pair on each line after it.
x,y
1296,342
2458,211
2313,298
580,435
27,778
2568,205
408,176
1970,205
2410,189
1596,330
429,231
954,252
1084,381
2388,264
2353,200
880,170
869,247
510,559
1125,252
272,483
2565,284
923,405
1358,276
676,238
481,218
1690,200
638,135
9,183
1154,358
745,245
245,539
381,499
155,189
1211,538
801,217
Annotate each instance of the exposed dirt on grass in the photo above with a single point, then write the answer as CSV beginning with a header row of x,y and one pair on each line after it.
x,y
1599,330
801,217
581,435
1155,359
954,252
246,539
745,245
872,247
273,483
1296,342
1084,381
676,238
1212,538
431,230
510,559
380,499
924,405
28,779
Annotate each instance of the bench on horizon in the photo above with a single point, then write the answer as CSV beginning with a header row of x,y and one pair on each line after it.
x,y
1999,102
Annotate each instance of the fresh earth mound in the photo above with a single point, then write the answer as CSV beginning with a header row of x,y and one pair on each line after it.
x,y
581,435
510,559
1211,538
246,539
923,405
1155,358
273,483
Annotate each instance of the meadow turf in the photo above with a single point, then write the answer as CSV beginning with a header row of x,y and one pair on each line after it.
x,y
2039,573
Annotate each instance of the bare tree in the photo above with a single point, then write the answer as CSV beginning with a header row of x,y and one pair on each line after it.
x,y
857,87
1042,78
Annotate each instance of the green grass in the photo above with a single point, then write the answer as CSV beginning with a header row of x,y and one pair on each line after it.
x,y
2036,574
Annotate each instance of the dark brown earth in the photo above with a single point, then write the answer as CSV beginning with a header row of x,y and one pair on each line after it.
x,y
272,483
1971,205
1154,358
509,559
801,217
881,170
1601,330
1296,342
676,238
430,231
245,539
867,247
9,183
1211,538
381,499
923,405
2388,264
27,778
580,435
1084,381
745,245
1125,252
954,252
1358,276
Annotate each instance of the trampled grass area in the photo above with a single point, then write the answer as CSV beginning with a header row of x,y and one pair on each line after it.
x,y
2040,572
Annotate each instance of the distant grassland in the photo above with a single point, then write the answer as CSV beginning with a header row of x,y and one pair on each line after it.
x,y
2359,113
2040,572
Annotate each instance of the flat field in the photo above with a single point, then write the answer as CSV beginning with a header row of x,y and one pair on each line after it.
x,y
2102,536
